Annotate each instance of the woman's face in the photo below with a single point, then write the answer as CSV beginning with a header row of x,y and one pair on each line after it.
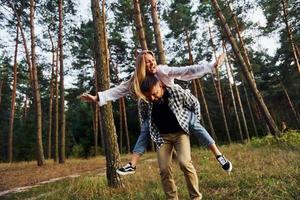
x,y
150,64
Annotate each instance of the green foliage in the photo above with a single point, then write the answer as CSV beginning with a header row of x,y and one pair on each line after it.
x,y
290,139
77,151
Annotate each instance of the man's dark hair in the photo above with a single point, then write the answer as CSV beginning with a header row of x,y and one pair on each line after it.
x,y
148,83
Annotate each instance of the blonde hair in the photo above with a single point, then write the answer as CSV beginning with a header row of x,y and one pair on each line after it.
x,y
140,74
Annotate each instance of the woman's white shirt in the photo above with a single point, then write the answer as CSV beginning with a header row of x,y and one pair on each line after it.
x,y
164,73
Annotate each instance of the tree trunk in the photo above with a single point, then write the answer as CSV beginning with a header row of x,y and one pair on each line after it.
x,y
125,124
231,82
156,27
121,124
49,134
27,54
139,24
95,127
258,97
102,64
242,43
290,35
296,115
36,92
56,110
1,84
98,124
242,111
250,111
62,88
238,98
217,86
25,109
13,101
96,131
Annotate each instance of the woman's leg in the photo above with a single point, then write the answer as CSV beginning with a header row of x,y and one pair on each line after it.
x,y
138,150
204,137
141,144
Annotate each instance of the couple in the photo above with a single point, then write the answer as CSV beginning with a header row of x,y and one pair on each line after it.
x,y
169,114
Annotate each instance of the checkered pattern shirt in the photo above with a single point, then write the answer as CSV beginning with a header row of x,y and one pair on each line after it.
x,y
181,103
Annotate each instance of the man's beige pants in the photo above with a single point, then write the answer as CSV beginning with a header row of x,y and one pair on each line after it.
x,y
181,142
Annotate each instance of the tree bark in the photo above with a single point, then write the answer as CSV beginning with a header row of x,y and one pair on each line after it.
x,y
139,24
157,33
62,119
36,90
13,101
251,82
49,134
102,64
121,124
1,85
96,131
125,124
56,110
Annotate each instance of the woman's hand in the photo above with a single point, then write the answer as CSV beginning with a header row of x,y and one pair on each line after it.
x,y
88,98
219,61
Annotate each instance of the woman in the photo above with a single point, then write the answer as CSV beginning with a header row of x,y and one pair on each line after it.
x,y
146,64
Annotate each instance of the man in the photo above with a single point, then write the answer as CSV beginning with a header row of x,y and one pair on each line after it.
x,y
168,112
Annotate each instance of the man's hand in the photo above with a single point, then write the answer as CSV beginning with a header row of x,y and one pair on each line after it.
x,y
88,98
219,61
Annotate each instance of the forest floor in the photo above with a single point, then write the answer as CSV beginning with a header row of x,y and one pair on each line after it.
x,y
24,174
21,176
263,169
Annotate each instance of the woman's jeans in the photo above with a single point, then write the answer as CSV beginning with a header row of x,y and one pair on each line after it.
x,y
195,128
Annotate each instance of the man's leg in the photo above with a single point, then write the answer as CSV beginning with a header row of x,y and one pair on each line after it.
x,y
182,146
164,155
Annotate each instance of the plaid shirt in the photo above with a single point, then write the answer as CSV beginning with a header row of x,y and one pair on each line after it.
x,y
181,103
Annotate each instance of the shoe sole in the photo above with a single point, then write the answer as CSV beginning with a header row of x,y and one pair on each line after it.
x,y
124,173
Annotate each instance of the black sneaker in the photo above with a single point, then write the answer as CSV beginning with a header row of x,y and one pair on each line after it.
x,y
225,163
126,170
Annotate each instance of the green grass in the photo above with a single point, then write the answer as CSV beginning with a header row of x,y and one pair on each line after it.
x,y
265,169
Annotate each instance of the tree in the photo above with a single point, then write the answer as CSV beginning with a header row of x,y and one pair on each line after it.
x,y
245,68
13,101
62,87
157,33
102,64
139,24
36,89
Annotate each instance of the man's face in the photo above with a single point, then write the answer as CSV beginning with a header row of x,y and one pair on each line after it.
x,y
156,93
150,64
